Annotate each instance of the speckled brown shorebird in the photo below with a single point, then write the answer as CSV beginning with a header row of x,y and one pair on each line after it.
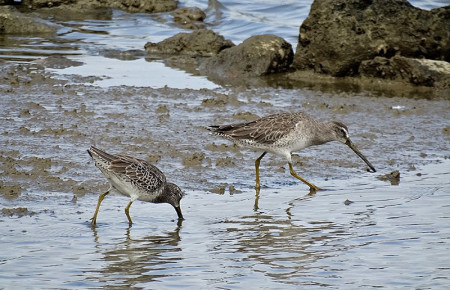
x,y
135,178
283,133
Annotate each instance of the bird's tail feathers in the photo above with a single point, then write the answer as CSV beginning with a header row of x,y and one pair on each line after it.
x,y
96,154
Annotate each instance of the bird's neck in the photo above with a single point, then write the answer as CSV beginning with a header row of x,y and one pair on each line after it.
x,y
323,134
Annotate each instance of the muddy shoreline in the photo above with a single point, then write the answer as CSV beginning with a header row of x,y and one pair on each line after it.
x,y
48,124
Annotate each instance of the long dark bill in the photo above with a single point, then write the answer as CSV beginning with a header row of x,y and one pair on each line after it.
x,y
178,210
350,144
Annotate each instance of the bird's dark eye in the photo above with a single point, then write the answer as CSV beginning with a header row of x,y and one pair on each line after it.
x,y
343,132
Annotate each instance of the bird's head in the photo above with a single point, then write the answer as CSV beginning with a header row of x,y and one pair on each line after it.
x,y
173,196
341,134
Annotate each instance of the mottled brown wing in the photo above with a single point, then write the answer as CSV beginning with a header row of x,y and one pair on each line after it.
x,y
265,130
138,171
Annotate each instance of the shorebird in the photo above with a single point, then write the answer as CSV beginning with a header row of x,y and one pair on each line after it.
x,y
135,178
283,133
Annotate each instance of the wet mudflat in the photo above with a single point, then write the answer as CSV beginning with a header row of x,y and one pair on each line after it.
x,y
364,230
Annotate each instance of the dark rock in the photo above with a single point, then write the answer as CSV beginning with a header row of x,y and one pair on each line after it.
x,y
379,67
338,35
348,202
46,3
131,54
142,6
14,22
198,43
191,13
393,177
423,72
256,56
57,62
75,11
148,6
189,17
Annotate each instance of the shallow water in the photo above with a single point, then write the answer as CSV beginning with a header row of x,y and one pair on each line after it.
x,y
391,236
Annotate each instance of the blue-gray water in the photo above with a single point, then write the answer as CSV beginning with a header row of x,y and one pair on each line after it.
x,y
390,236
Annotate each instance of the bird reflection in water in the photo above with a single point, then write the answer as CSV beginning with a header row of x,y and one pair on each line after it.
x,y
131,260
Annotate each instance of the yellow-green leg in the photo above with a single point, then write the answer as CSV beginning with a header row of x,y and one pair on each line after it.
x,y
293,173
255,206
100,198
127,212
257,162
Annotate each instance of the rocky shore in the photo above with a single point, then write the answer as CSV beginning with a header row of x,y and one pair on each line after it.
x,y
362,43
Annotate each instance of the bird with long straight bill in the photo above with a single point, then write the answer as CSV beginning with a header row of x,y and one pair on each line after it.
x,y
284,133
135,178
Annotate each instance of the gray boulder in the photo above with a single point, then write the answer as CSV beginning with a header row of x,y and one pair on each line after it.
x,y
422,72
142,6
14,22
189,17
147,6
338,35
35,4
256,56
201,42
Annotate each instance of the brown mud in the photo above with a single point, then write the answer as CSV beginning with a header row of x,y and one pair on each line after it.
x,y
48,123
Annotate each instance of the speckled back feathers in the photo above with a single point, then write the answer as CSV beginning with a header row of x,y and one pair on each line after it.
x,y
141,174
266,130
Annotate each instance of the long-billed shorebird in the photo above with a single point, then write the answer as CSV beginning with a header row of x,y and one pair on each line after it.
x,y
283,133
135,178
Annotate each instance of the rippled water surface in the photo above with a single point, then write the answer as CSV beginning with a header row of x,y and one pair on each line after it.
x,y
388,237
360,232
